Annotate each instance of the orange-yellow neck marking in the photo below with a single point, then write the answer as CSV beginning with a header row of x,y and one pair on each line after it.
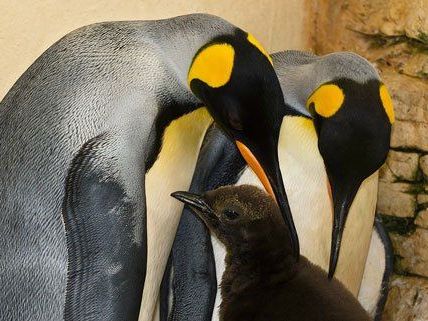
x,y
327,100
257,44
213,65
387,103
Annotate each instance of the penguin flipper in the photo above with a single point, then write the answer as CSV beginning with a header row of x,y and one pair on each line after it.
x,y
194,283
105,227
378,270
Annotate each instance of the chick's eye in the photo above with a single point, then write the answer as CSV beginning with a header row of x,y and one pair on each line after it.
x,y
230,214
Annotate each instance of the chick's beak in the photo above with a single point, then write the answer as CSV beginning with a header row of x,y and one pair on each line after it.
x,y
195,201
269,173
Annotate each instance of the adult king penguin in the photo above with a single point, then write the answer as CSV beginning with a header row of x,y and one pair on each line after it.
x,y
106,122
339,136
352,115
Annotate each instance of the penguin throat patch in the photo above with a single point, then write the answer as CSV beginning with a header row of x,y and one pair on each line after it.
x,y
213,65
327,100
387,103
251,39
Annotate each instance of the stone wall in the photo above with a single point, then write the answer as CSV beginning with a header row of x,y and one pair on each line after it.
x,y
393,35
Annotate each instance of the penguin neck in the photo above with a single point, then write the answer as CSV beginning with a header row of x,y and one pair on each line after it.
x,y
301,73
182,37
176,129
172,170
257,265
178,43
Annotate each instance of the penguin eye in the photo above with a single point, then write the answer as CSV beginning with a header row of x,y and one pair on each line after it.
x,y
234,119
230,214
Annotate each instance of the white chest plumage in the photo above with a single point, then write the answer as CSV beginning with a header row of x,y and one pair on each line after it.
x,y
371,286
305,182
172,171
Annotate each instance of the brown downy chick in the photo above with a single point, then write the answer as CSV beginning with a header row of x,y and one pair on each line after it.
x,y
262,280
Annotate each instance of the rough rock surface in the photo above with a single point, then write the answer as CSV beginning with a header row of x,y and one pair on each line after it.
x,y
423,163
395,199
409,104
422,200
383,31
408,134
407,300
393,17
422,219
404,166
412,252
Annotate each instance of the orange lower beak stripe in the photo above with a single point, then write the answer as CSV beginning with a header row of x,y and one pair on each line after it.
x,y
255,166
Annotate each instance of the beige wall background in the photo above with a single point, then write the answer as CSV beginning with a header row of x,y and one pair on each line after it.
x,y
29,27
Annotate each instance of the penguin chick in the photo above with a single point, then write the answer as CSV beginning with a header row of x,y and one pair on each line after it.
x,y
262,279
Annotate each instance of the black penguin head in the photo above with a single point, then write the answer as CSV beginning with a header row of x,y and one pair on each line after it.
x,y
353,122
244,218
234,77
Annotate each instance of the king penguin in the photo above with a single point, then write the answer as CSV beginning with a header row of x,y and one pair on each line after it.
x,y
97,133
262,280
342,145
355,109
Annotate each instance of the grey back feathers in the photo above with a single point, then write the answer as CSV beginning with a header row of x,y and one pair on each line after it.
x,y
300,73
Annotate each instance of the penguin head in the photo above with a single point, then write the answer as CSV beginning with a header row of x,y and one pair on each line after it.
x,y
244,218
353,122
234,77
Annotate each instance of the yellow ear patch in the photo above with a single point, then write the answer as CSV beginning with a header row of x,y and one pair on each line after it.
x,y
251,39
327,100
387,103
213,65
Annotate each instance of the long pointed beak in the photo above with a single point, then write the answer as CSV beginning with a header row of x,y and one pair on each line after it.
x,y
195,201
342,199
271,178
